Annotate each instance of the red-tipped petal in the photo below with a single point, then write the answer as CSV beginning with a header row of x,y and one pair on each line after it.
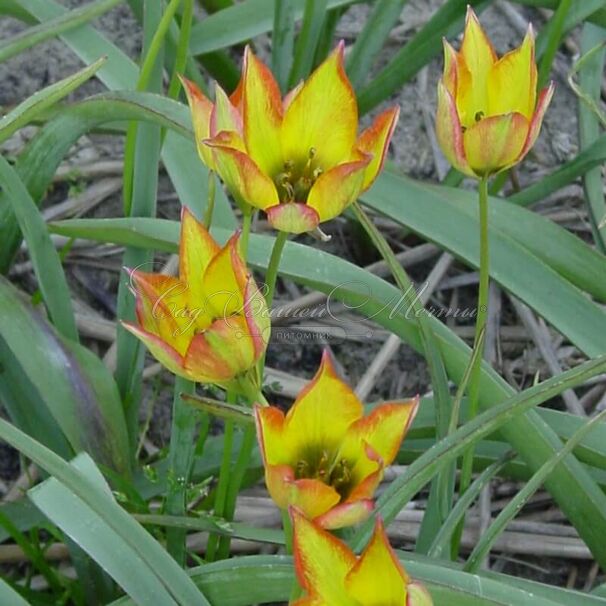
x,y
495,143
321,561
262,112
257,317
375,141
196,250
378,576
311,421
323,116
269,421
346,514
201,108
449,131
545,97
161,350
162,306
220,353
246,182
224,116
512,83
336,189
293,218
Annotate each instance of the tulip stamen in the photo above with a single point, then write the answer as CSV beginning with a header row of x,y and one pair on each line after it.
x,y
478,116
328,468
295,182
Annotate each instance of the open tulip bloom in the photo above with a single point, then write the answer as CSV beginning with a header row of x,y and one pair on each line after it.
x,y
299,158
324,456
488,114
331,574
211,323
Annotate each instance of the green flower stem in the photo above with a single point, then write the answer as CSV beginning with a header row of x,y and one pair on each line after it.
x,y
249,438
271,277
222,485
181,457
246,225
272,269
237,476
210,205
478,348
287,526
441,494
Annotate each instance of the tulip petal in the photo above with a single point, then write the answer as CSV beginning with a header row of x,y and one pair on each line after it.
x,y
162,308
418,595
337,188
196,250
242,176
323,116
478,56
375,141
269,421
449,131
312,601
221,352
545,97
346,514
378,576
293,217
451,62
257,317
224,115
201,108
262,112
495,143
323,411
322,562
158,348
313,497
512,83
385,427
225,280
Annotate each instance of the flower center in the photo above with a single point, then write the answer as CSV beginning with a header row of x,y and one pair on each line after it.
x,y
295,181
329,468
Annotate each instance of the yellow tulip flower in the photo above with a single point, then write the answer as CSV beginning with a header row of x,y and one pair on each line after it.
x,y
211,323
331,574
298,158
488,113
324,455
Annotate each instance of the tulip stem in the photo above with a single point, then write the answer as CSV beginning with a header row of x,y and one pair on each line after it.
x,y
272,269
475,361
222,485
181,458
246,225
237,476
210,204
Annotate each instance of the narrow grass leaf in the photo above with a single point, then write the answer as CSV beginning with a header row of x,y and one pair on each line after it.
x,y
54,27
307,42
66,379
590,81
81,488
44,257
30,108
383,17
282,41
515,505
